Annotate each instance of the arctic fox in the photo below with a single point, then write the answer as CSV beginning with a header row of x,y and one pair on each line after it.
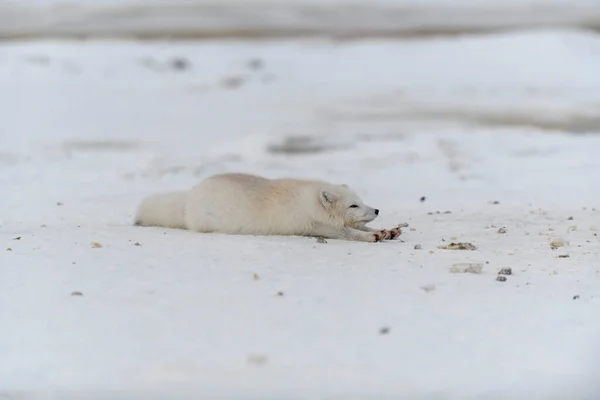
x,y
246,204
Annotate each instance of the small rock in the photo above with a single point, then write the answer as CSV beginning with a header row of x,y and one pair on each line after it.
x,y
418,247
403,225
458,246
570,219
505,271
413,229
575,297
384,330
280,294
76,294
447,212
58,203
563,256
422,199
255,277
494,202
470,268
255,64
43,226
556,243
502,230
8,249
179,63
137,244
17,238
96,245
501,278
428,288
321,240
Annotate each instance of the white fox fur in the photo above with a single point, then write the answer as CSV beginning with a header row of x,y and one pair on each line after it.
x,y
252,205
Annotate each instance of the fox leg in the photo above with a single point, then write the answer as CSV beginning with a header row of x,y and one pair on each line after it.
x,y
345,233
388,234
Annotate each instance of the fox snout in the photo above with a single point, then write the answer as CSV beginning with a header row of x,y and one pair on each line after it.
x,y
377,211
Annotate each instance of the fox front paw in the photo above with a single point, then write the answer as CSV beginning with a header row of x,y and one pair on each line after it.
x,y
395,232
389,234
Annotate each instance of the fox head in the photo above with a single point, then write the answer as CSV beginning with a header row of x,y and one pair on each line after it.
x,y
345,205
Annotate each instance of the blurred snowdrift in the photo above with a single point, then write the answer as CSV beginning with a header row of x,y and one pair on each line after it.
x,y
290,18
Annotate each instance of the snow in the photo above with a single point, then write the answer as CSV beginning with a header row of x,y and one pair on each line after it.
x,y
88,129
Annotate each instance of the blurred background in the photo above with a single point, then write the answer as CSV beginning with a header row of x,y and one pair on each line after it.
x,y
181,89
466,118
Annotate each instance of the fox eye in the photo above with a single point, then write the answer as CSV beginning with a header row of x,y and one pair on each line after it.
x,y
353,206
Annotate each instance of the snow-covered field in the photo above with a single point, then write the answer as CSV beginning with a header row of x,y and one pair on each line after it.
x,y
497,134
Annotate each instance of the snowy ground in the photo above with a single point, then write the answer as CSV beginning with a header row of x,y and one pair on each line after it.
x,y
498,131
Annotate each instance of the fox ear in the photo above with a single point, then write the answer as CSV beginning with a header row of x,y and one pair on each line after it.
x,y
328,197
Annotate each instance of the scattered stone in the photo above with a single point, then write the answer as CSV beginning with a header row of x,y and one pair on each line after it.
x,y
256,64
384,330
280,294
556,243
8,249
505,271
563,256
137,244
321,240
17,238
43,226
76,294
572,228
422,199
501,278
58,203
495,202
466,268
570,219
458,246
179,63
502,230
418,247
428,288
255,277
96,245
413,229
447,212
575,297
403,225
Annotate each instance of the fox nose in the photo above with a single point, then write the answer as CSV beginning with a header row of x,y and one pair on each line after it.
x,y
376,211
